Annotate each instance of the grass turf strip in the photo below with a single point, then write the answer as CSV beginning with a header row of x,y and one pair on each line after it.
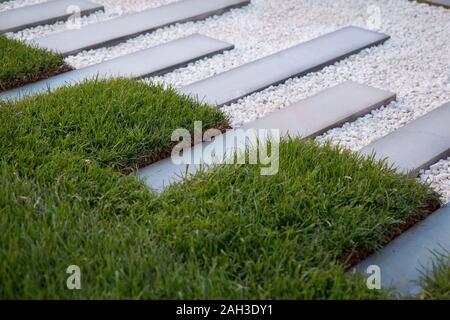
x,y
436,283
21,63
227,233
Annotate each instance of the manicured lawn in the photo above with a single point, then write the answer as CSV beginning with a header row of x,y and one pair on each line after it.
x,y
21,63
118,123
228,233
288,235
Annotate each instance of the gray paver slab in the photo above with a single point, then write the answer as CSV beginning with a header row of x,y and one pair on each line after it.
x,y
152,61
43,13
418,144
307,118
307,57
404,259
329,109
116,30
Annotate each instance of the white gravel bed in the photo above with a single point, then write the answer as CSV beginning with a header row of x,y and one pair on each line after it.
x,y
415,63
438,176
17,4
113,9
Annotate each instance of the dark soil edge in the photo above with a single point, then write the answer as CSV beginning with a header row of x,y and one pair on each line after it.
x,y
144,161
351,259
41,76
442,5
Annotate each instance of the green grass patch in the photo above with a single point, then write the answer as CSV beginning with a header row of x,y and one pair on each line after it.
x,y
227,233
436,283
21,63
118,123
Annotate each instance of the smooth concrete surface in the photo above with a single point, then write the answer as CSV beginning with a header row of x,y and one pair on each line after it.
x,y
418,144
113,31
44,13
148,62
329,109
307,118
299,60
403,261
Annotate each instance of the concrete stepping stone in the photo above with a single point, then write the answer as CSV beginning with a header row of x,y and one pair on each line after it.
x,y
403,261
329,109
153,61
418,144
230,86
441,3
307,118
113,31
44,13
